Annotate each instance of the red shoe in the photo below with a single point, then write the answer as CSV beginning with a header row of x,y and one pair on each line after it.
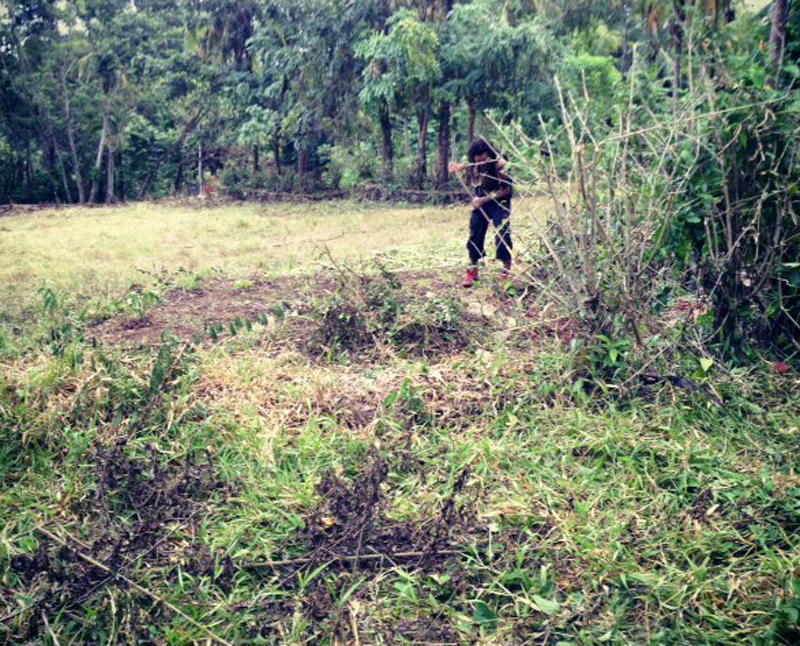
x,y
472,276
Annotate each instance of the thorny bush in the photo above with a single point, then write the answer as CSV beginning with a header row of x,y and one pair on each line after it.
x,y
699,196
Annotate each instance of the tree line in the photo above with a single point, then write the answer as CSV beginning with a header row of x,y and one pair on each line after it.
x,y
108,100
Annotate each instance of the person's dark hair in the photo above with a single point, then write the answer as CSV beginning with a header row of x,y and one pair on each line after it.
x,y
480,147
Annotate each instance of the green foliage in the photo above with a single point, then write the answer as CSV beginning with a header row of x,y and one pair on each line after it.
x,y
400,64
490,62
608,356
454,495
594,76
113,103
699,184
735,225
785,628
346,167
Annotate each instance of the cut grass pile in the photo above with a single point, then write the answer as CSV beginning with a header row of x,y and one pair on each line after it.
x,y
287,482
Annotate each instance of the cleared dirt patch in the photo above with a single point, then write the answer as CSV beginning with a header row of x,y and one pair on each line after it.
x,y
190,314
325,310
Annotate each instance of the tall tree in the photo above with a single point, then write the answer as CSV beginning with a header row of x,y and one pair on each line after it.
x,y
445,107
777,35
402,68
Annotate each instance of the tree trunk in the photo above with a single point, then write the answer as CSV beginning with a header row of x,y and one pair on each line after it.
x,y
43,133
62,169
98,161
303,160
387,152
54,159
777,36
200,191
110,197
423,116
304,165
27,171
76,164
73,151
48,162
119,166
473,111
256,167
276,151
177,185
442,174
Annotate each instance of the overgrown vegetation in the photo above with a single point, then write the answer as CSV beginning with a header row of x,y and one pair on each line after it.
x,y
287,424
687,188
271,486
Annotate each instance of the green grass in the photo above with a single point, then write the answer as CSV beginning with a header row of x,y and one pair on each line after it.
x,y
642,517
83,250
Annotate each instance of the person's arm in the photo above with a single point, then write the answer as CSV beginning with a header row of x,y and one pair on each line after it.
x,y
505,191
478,202
457,167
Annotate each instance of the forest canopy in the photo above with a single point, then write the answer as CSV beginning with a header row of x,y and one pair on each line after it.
x,y
113,100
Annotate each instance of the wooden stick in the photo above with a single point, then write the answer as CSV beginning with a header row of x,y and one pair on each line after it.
x,y
348,558
131,583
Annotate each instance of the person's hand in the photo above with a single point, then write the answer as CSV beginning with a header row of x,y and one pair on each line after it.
x,y
455,167
478,202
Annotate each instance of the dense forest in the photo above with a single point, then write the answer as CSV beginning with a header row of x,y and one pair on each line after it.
x,y
114,100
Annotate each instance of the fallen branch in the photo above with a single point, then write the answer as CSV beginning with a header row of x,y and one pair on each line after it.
x,y
131,583
349,558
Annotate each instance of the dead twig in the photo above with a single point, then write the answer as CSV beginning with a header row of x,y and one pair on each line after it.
x,y
130,582
348,558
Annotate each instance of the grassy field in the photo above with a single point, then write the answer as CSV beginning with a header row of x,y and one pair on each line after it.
x,y
288,424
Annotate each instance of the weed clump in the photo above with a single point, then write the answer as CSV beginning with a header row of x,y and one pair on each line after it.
x,y
378,312
141,513
343,327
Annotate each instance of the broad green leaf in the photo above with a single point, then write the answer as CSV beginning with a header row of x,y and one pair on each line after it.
x,y
547,606
483,615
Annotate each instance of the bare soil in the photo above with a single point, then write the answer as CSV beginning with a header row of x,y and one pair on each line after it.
x,y
190,315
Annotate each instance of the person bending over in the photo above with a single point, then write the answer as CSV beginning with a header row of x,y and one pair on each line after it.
x,y
492,190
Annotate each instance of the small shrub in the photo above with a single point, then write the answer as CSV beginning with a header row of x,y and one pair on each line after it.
x,y
343,326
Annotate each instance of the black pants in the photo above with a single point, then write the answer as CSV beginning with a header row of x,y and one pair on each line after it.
x,y
498,215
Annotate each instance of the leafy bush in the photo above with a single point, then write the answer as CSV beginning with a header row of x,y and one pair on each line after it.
x,y
584,75
735,229
346,168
